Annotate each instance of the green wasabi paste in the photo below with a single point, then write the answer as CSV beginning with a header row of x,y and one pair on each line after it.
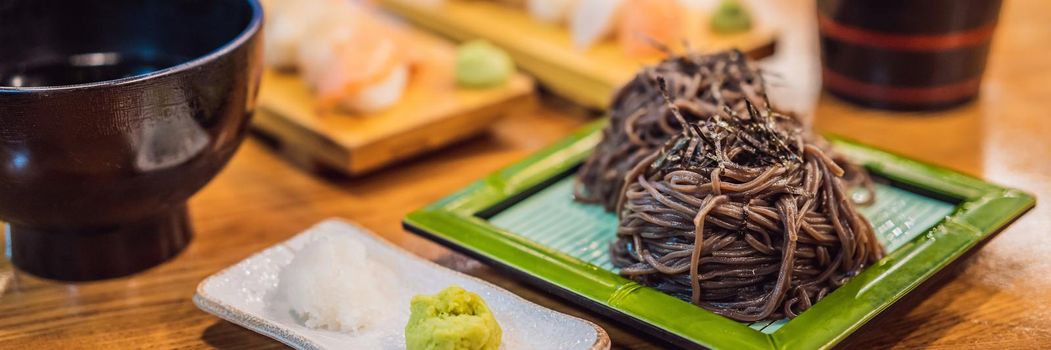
x,y
479,64
731,17
453,319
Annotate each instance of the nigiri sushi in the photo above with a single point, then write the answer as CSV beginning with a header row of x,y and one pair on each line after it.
x,y
354,67
593,20
287,21
348,55
381,95
646,24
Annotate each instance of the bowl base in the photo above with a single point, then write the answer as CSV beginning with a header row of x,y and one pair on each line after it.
x,y
93,254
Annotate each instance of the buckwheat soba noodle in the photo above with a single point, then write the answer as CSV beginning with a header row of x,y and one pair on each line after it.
x,y
723,201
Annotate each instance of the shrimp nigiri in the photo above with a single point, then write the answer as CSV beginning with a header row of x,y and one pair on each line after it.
x,y
649,23
287,22
354,67
593,20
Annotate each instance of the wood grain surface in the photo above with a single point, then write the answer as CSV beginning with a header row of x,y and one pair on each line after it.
x,y
999,298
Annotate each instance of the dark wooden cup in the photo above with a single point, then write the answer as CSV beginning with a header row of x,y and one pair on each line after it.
x,y
905,54
112,114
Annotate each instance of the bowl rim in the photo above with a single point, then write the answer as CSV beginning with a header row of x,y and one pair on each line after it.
x,y
247,33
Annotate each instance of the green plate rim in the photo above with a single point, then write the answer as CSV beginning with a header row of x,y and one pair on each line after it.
x,y
983,209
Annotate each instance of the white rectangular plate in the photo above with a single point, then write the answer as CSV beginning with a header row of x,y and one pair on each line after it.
x,y
244,294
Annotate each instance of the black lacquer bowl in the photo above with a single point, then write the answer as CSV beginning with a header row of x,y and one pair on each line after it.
x,y
906,54
112,114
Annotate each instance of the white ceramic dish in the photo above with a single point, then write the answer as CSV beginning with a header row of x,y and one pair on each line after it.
x,y
244,294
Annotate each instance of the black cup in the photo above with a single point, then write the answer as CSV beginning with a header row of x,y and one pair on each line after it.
x,y
905,54
112,114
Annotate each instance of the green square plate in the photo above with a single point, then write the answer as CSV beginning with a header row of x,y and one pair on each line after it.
x,y
523,218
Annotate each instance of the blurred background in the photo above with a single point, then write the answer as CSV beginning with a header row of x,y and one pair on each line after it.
x,y
368,110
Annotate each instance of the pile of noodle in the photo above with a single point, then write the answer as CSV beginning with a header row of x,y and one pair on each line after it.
x,y
740,212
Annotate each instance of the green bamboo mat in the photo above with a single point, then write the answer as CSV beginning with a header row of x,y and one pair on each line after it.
x,y
553,219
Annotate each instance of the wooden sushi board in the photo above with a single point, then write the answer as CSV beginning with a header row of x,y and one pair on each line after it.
x,y
433,112
588,77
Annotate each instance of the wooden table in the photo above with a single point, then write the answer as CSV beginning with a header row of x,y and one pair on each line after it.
x,y
1000,298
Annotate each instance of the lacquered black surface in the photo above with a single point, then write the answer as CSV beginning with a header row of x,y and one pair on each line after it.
x,y
876,65
913,16
94,177
904,45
